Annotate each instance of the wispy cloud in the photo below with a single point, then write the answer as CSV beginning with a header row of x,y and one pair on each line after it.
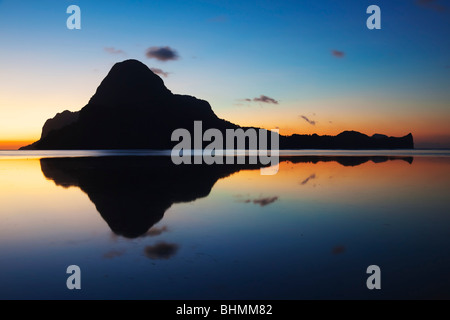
x,y
311,177
262,201
162,53
262,98
431,4
265,99
243,102
337,53
311,122
265,201
113,50
160,72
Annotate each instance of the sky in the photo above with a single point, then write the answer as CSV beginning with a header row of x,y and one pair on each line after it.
x,y
300,66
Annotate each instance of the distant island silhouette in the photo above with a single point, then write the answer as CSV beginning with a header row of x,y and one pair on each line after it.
x,y
133,109
133,193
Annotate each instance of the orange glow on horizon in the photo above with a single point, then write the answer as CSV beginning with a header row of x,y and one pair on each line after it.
x,y
14,144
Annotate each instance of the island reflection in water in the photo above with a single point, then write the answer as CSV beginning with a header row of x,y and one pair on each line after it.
x,y
225,232
132,193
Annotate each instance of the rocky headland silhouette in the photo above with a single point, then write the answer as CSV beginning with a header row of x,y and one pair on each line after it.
x,y
133,109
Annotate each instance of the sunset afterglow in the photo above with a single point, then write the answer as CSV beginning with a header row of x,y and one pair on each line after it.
x,y
391,81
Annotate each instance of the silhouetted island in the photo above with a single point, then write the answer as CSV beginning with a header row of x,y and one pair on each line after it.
x,y
133,109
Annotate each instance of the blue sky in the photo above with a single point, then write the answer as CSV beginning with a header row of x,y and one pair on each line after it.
x,y
394,80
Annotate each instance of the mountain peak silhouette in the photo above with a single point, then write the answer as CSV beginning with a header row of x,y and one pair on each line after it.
x,y
133,109
130,83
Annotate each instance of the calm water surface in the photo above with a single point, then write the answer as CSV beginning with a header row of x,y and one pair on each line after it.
x,y
139,227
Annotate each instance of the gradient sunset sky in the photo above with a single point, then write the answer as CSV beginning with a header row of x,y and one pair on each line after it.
x,y
302,66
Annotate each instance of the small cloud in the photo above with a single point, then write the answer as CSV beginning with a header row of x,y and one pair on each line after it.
x,y
311,122
337,53
113,50
338,250
261,98
261,201
162,53
265,99
265,201
155,231
160,72
311,177
113,254
161,251
244,100
431,4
